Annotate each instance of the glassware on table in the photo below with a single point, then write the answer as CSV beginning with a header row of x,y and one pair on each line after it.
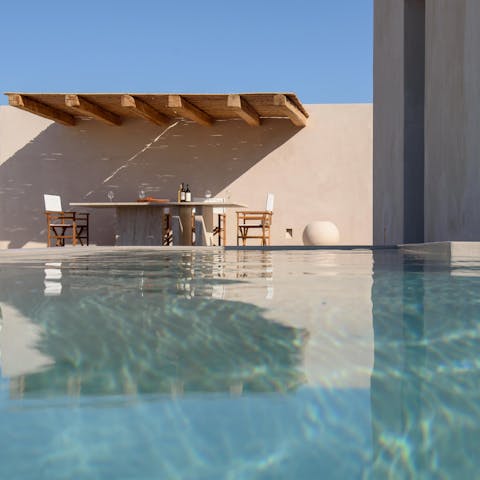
x,y
141,194
208,194
110,195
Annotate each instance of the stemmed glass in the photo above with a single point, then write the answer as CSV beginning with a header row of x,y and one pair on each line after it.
x,y
141,194
110,195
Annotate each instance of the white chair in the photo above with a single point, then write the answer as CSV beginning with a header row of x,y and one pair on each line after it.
x,y
171,225
202,237
256,220
63,225
220,229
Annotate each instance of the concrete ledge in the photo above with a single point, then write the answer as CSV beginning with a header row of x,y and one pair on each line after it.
x,y
314,247
441,250
69,252
445,250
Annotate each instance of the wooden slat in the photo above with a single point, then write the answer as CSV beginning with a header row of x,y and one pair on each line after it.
x,y
183,108
204,108
90,109
296,116
243,109
38,108
144,110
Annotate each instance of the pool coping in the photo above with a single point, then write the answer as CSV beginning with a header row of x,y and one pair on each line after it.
x,y
444,249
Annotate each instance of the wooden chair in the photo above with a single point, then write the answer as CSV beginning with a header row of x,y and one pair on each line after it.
x,y
62,225
255,224
167,229
220,229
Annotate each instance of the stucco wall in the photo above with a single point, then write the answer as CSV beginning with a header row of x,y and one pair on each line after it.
x,y
450,125
452,120
321,172
388,121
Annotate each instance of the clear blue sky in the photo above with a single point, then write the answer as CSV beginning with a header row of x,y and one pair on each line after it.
x,y
320,49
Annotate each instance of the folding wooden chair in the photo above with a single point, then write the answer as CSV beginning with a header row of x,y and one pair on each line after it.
x,y
62,225
167,229
220,229
255,224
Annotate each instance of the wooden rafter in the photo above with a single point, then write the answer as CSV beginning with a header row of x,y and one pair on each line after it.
x,y
291,110
38,108
183,108
162,108
243,109
144,110
90,109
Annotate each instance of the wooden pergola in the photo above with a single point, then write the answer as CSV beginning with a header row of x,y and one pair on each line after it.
x,y
161,109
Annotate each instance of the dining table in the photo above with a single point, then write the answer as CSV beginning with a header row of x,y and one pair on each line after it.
x,y
140,223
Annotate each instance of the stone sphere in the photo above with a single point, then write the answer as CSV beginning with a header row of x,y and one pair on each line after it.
x,y
321,233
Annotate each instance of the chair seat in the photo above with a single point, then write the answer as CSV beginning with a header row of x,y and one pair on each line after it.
x,y
67,225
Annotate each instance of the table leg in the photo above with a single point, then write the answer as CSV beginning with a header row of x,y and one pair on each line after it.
x,y
185,213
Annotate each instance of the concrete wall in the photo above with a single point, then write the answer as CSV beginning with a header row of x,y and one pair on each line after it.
x,y
426,143
414,135
321,172
452,120
388,121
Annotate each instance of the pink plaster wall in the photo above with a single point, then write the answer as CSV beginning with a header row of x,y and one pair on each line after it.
x,y
320,172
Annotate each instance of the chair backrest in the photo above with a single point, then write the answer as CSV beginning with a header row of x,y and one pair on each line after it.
x,y
53,203
270,200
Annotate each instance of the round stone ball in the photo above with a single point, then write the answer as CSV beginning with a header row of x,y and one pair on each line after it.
x,y
321,233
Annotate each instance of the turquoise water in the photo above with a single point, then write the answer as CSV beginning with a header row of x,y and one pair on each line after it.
x,y
239,365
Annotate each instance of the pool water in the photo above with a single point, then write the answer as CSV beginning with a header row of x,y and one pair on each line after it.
x,y
210,364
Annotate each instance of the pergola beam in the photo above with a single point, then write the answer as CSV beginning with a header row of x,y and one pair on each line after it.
x,y
144,110
183,108
243,109
296,116
38,108
90,109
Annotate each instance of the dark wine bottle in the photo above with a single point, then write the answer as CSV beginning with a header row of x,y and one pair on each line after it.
x,y
188,194
182,193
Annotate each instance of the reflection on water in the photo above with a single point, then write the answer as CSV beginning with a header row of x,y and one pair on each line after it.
x,y
196,365
161,328
156,344
241,364
424,387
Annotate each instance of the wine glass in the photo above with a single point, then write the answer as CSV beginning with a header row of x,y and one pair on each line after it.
x,y
208,194
110,195
141,194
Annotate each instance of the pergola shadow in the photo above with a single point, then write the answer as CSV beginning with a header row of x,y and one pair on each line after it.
x,y
83,163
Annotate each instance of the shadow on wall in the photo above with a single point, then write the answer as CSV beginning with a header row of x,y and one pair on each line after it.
x,y
83,163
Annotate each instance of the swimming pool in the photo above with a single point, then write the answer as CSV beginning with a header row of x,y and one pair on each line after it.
x,y
238,364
